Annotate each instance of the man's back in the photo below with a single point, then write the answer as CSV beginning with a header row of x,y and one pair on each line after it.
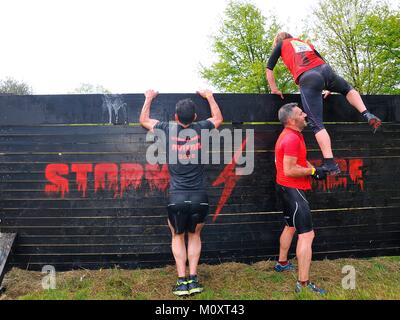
x,y
299,56
184,148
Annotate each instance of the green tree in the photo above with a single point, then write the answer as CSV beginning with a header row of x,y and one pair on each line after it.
x,y
242,46
87,88
359,39
10,86
383,34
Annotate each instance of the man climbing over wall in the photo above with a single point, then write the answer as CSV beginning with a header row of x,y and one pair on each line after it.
x,y
313,75
293,173
188,200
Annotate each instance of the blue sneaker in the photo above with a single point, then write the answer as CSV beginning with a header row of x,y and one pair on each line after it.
x,y
181,289
194,286
310,287
280,268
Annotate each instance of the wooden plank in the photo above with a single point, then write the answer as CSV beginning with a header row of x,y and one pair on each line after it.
x,y
364,233
262,155
137,260
352,227
263,164
6,244
264,174
333,218
235,204
96,108
139,157
130,262
261,141
269,246
267,138
235,249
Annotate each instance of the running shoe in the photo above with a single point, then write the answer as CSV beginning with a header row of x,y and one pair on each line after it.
x,y
181,288
194,286
310,287
280,268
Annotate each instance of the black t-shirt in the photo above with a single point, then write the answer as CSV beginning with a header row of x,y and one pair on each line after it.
x,y
183,146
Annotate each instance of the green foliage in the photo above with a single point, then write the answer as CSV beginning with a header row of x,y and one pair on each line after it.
x,y
242,46
383,34
360,40
10,86
87,88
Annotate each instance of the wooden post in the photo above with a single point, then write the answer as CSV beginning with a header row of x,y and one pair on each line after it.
x,y
6,243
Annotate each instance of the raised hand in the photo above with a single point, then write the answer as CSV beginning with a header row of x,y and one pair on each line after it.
x,y
151,94
206,93
277,92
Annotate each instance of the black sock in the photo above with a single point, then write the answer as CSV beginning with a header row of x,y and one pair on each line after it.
x,y
181,279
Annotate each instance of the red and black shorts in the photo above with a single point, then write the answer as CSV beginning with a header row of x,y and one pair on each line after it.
x,y
186,209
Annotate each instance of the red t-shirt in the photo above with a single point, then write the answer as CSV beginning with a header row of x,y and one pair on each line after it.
x,y
299,56
291,143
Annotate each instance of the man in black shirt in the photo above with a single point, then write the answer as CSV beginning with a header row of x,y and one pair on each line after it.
x,y
188,200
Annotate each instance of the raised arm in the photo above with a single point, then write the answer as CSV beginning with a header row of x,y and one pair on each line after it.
x,y
269,73
272,83
144,119
216,115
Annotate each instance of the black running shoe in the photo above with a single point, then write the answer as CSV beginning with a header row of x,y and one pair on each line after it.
x,y
373,120
194,286
181,289
331,168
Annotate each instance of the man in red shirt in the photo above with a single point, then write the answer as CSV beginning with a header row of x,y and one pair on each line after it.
x,y
293,173
314,75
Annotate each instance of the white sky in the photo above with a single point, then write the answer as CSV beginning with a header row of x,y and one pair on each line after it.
x,y
127,46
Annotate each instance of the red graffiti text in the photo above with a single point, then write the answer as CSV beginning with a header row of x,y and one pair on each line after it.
x,y
106,177
350,171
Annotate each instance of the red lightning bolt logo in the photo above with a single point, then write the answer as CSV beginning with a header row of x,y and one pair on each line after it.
x,y
229,178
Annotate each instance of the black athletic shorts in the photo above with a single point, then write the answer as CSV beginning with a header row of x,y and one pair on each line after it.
x,y
186,210
296,209
312,82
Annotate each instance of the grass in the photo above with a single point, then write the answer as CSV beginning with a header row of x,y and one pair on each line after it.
x,y
376,279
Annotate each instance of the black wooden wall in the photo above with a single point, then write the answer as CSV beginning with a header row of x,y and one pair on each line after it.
x,y
355,214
